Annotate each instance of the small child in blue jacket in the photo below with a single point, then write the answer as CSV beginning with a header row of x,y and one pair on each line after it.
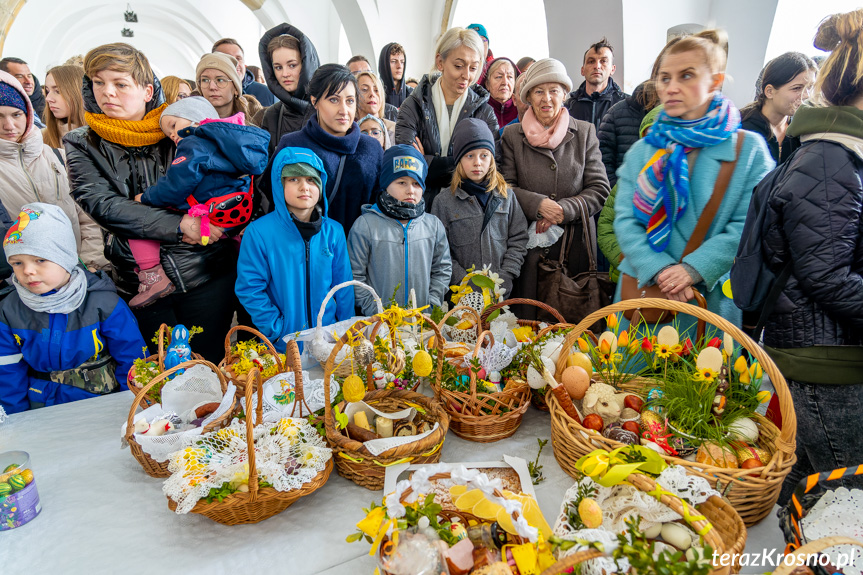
x,y
65,334
291,257
209,178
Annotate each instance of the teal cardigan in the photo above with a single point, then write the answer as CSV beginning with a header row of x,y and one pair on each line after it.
x,y
713,259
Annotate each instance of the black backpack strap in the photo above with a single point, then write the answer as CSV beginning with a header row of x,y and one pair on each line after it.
x,y
338,180
772,298
59,156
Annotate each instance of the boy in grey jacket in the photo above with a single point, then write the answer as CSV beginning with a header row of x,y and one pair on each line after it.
x,y
395,246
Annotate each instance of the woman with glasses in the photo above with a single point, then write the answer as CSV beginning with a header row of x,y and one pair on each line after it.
x,y
373,126
175,89
220,84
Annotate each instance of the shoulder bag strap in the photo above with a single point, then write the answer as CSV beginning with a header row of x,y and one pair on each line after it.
x,y
712,207
338,179
588,226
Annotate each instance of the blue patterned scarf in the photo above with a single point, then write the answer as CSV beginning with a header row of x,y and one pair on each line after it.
x,y
662,188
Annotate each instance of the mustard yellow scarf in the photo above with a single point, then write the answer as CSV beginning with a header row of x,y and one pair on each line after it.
x,y
128,133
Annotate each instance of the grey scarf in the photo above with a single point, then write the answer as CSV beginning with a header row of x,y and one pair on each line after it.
x,y
65,300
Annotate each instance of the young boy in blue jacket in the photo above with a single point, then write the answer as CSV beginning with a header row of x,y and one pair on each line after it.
x,y
65,334
395,245
290,258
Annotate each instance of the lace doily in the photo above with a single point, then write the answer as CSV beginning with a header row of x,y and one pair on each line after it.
x,y
695,490
497,357
288,454
279,395
838,513
545,239
600,565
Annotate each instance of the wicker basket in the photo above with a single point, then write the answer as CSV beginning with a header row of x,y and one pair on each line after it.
x,y
226,365
164,333
259,503
152,467
752,497
457,362
727,534
353,460
505,409
523,322
812,548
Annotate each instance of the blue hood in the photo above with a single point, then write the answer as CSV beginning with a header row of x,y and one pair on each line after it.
x,y
243,147
286,157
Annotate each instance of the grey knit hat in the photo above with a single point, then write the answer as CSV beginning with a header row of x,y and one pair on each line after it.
x,y
194,109
471,134
44,231
542,71
225,64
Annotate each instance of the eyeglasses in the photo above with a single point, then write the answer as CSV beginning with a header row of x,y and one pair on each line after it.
x,y
373,132
220,82
182,96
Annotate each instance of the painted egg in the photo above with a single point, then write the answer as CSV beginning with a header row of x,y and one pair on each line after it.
x,y
17,482
709,358
576,381
579,359
5,489
745,429
590,513
668,336
620,434
27,474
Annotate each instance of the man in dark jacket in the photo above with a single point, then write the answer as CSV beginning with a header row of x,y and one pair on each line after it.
x,y
230,47
598,92
19,68
391,68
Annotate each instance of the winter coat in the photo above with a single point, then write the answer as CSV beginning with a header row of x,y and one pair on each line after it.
x,y
105,178
755,121
505,113
293,108
391,113
46,342
417,118
712,260
570,174
261,93
363,155
619,130
30,171
212,160
395,258
395,95
494,236
281,278
592,107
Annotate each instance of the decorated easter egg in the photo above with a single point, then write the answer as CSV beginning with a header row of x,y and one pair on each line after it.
x,y
458,530
590,513
593,421
17,482
633,402
422,363
27,474
579,359
746,452
745,429
709,358
10,467
353,388
649,416
620,434
576,381
668,336
5,489
610,338
717,455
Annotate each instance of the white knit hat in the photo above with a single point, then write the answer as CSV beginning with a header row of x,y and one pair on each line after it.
x,y
542,71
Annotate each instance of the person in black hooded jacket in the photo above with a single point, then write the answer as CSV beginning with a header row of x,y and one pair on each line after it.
x,y
296,59
396,90
458,55
118,155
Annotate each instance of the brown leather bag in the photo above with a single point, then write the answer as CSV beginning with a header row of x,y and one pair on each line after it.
x,y
575,297
629,285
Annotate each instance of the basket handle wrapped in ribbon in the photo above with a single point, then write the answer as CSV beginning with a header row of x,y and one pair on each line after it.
x,y
319,347
229,356
521,301
442,326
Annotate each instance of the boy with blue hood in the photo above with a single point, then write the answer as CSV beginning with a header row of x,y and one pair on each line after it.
x,y
291,257
395,245
65,334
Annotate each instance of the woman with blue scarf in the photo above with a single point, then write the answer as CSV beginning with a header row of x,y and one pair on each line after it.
x,y
668,178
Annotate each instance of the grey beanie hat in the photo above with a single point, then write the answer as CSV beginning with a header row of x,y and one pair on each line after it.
x,y
194,109
44,231
471,134
542,71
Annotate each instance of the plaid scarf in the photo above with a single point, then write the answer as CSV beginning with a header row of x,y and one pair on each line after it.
x,y
662,188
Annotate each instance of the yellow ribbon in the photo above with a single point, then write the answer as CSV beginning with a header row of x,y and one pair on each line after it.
x,y
609,468
687,516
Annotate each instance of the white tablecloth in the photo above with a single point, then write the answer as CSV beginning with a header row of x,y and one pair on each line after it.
x,y
103,514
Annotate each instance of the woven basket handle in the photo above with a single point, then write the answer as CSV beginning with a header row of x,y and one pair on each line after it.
x,y
522,301
464,308
162,377
811,548
336,288
486,335
554,327
787,437
164,333
370,386
292,358
253,383
229,356
564,565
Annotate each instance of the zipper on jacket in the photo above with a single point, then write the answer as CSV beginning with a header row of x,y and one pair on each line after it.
x,y
27,172
593,113
405,288
171,261
56,180
308,285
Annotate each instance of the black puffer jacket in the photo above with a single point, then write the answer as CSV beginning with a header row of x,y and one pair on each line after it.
x,y
592,107
417,118
293,109
754,121
619,130
104,179
816,221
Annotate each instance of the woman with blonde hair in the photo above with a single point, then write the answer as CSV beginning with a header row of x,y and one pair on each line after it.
x,y
428,117
371,101
64,106
175,89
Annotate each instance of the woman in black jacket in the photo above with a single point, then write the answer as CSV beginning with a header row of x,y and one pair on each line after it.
x,y
813,224
782,86
429,115
288,59
119,154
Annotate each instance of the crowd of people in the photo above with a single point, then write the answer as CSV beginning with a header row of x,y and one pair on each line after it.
x,y
245,194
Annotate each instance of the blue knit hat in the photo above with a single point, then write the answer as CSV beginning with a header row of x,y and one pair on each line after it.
x,y
479,29
403,160
9,96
